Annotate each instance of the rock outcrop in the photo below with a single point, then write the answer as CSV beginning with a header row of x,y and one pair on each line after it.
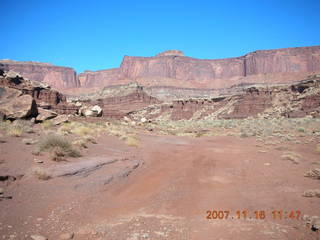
x,y
172,68
23,98
57,77
117,101
285,100
14,105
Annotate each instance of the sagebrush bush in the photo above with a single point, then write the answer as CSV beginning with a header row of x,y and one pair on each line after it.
x,y
41,174
15,130
59,146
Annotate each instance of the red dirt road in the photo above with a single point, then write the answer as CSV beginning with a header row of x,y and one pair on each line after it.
x,y
167,196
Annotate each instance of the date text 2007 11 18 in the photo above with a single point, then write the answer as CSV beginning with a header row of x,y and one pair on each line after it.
x,y
260,214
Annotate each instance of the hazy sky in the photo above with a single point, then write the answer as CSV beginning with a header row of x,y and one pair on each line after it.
x,y
93,35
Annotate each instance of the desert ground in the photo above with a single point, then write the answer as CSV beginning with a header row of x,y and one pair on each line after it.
x,y
96,178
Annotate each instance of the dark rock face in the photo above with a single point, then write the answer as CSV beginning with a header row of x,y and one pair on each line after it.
x,y
171,68
57,77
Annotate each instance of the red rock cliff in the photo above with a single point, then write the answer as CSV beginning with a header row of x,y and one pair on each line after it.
x,y
57,77
171,68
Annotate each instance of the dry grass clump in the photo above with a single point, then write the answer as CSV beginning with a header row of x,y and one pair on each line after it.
x,y
65,128
132,141
48,124
15,130
83,142
291,156
4,124
313,173
41,174
82,128
58,146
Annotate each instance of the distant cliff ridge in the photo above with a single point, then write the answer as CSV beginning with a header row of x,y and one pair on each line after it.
x,y
57,77
172,68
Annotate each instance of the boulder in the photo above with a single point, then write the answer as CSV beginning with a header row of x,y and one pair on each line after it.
x,y
45,114
88,111
12,74
60,119
78,104
97,110
14,105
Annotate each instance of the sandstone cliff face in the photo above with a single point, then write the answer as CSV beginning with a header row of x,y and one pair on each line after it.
x,y
172,68
100,78
57,77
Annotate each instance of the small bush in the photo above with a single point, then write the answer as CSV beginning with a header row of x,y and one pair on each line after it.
x,y
4,124
132,141
26,125
15,130
58,146
65,129
41,174
81,143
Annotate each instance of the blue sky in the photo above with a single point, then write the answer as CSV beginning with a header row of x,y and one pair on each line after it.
x,y
94,35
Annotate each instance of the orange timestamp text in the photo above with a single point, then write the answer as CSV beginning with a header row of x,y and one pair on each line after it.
x,y
259,214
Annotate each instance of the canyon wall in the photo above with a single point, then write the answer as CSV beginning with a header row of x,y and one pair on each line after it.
x,y
172,68
99,78
57,77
